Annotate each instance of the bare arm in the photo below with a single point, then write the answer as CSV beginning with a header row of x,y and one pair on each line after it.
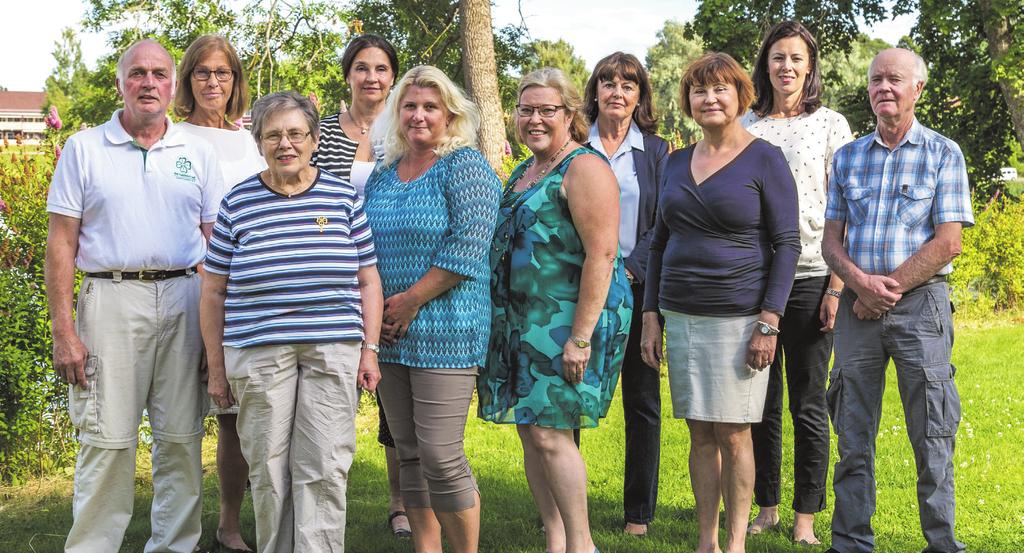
x,y
876,292
69,353
373,309
211,324
933,256
593,196
206,229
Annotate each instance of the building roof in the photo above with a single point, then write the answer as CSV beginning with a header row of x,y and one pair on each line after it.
x,y
22,101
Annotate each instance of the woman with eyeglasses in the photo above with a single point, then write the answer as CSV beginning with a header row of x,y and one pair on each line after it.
x,y
290,298
561,303
212,94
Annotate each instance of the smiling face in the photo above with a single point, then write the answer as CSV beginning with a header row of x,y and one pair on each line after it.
x,y
291,155
892,86
371,75
714,105
617,98
789,63
148,87
212,95
423,117
543,134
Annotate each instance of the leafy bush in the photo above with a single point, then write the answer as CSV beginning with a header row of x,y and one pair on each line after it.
x,y
989,274
35,433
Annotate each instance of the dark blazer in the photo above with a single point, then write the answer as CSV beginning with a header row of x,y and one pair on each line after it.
x,y
650,167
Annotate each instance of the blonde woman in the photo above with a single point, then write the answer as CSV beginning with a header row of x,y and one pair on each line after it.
x,y
432,203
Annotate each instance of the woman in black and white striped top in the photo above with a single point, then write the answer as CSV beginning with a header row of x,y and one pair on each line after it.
x,y
369,64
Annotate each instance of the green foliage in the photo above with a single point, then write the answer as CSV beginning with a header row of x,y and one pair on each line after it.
x,y
559,54
962,99
736,27
989,273
666,61
35,433
69,75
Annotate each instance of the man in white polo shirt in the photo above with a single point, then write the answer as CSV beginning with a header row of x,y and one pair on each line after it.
x,y
130,204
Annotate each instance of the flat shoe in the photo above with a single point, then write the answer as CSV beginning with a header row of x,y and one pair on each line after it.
x,y
219,547
755,530
398,532
805,541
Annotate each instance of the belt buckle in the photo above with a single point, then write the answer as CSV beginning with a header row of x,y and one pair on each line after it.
x,y
148,276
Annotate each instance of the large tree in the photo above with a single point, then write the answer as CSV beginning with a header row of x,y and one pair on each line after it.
x,y
560,54
666,61
482,76
69,75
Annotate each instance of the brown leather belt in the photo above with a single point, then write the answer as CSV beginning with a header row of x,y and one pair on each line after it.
x,y
933,280
143,275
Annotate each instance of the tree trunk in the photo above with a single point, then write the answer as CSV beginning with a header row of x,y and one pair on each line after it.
x,y
1000,34
481,73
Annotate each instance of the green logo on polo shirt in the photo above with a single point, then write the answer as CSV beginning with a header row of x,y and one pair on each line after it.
x,y
183,170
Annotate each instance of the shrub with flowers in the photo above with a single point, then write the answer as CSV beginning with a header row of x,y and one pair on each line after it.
x,y
36,436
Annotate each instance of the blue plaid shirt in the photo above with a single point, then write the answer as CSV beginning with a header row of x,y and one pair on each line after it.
x,y
891,200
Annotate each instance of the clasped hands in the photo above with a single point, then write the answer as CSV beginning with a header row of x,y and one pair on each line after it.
x,y
876,296
399,312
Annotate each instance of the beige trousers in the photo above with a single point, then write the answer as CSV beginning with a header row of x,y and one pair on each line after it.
x,y
427,410
145,352
296,423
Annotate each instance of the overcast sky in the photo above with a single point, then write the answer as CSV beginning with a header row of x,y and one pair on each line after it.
x,y
593,27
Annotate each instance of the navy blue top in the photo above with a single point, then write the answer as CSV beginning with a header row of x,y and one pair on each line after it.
x,y
729,246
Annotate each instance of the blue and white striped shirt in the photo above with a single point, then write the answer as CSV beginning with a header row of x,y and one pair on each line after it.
x,y
891,200
291,263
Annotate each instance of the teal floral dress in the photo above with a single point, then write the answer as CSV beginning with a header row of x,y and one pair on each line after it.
x,y
537,261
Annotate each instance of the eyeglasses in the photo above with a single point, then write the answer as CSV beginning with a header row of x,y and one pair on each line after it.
x,y
294,137
223,75
547,112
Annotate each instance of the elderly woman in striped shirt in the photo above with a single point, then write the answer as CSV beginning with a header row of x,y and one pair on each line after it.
x,y
291,312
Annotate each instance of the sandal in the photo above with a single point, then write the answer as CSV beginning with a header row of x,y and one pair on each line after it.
x,y
399,531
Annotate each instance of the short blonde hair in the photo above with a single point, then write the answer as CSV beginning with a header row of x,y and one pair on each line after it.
x,y
713,68
462,129
579,129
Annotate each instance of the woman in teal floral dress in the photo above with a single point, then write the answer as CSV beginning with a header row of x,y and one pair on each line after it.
x,y
562,303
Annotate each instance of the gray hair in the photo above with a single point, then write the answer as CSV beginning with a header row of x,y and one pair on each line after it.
x,y
275,103
920,67
122,61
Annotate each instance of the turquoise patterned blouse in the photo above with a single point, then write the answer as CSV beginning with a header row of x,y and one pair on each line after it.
x,y
445,219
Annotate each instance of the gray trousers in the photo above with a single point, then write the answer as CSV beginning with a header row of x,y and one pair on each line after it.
x,y
917,334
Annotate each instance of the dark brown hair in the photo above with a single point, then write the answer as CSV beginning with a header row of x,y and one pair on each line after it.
x,y
811,96
184,97
713,68
627,68
362,42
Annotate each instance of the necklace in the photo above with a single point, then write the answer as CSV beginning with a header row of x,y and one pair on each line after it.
x,y
362,128
543,170
422,168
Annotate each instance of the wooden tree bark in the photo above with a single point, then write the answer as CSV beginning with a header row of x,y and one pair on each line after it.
x,y
1000,34
481,71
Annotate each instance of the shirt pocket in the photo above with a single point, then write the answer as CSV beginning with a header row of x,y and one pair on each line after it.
x,y
857,200
915,203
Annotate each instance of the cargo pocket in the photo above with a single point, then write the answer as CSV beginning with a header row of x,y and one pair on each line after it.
x,y
942,401
83,404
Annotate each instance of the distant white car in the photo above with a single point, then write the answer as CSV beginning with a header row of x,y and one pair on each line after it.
x,y
1008,173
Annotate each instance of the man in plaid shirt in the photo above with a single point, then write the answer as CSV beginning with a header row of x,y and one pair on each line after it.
x,y
901,196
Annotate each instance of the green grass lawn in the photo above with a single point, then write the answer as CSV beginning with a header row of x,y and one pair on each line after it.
x,y
990,478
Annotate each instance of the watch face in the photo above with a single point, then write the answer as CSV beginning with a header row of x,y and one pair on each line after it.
x,y
763,329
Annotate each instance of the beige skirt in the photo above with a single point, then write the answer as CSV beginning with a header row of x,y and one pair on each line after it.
x,y
707,369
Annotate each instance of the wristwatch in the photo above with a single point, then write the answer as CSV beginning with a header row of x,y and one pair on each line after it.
x,y
580,342
372,347
767,329
833,292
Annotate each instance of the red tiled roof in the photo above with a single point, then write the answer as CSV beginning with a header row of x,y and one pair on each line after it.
x,y
22,101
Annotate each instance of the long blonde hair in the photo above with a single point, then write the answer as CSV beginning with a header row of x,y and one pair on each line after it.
x,y
462,129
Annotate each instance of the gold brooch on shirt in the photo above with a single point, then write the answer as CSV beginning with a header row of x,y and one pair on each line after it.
x,y
321,222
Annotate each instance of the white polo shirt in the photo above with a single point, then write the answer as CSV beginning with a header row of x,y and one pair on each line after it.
x,y
139,210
